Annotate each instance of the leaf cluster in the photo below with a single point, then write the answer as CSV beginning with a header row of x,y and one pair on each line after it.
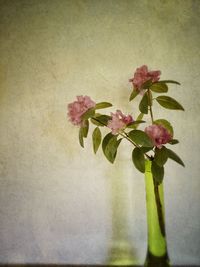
x,y
156,87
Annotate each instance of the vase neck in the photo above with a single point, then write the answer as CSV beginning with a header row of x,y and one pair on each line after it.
x,y
157,245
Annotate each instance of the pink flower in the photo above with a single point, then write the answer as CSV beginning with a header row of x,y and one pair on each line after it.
x,y
142,75
158,134
119,121
77,108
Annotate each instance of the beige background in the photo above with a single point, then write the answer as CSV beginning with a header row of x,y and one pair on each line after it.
x,y
55,197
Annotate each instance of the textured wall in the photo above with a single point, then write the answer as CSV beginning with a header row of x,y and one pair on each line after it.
x,y
55,198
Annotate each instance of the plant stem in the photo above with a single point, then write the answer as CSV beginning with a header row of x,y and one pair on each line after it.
x,y
125,135
159,208
150,105
128,138
156,191
99,121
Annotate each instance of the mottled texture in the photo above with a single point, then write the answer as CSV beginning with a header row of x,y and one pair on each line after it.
x,y
55,202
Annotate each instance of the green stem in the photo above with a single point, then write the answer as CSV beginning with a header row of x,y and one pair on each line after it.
x,y
159,208
124,135
150,105
156,191
99,121
128,138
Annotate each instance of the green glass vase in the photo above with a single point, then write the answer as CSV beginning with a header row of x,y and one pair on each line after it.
x,y
157,255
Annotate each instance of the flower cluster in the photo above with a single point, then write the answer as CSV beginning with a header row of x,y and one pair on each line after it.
x,y
119,122
153,138
77,108
142,75
158,134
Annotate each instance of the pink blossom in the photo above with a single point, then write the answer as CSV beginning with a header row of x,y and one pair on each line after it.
x,y
77,108
158,134
142,75
119,121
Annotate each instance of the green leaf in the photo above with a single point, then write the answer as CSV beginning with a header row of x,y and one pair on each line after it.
x,y
140,138
161,156
169,81
140,117
103,105
88,114
145,149
138,159
96,122
157,172
96,138
106,140
169,102
83,132
143,106
173,142
100,120
166,124
110,145
134,124
85,128
133,94
111,149
81,137
146,85
159,87
172,155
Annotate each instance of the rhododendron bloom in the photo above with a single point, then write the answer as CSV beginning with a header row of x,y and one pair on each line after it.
x,y
142,75
158,134
77,108
119,121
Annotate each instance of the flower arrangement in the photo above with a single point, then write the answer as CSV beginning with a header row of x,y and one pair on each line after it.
x,y
149,143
